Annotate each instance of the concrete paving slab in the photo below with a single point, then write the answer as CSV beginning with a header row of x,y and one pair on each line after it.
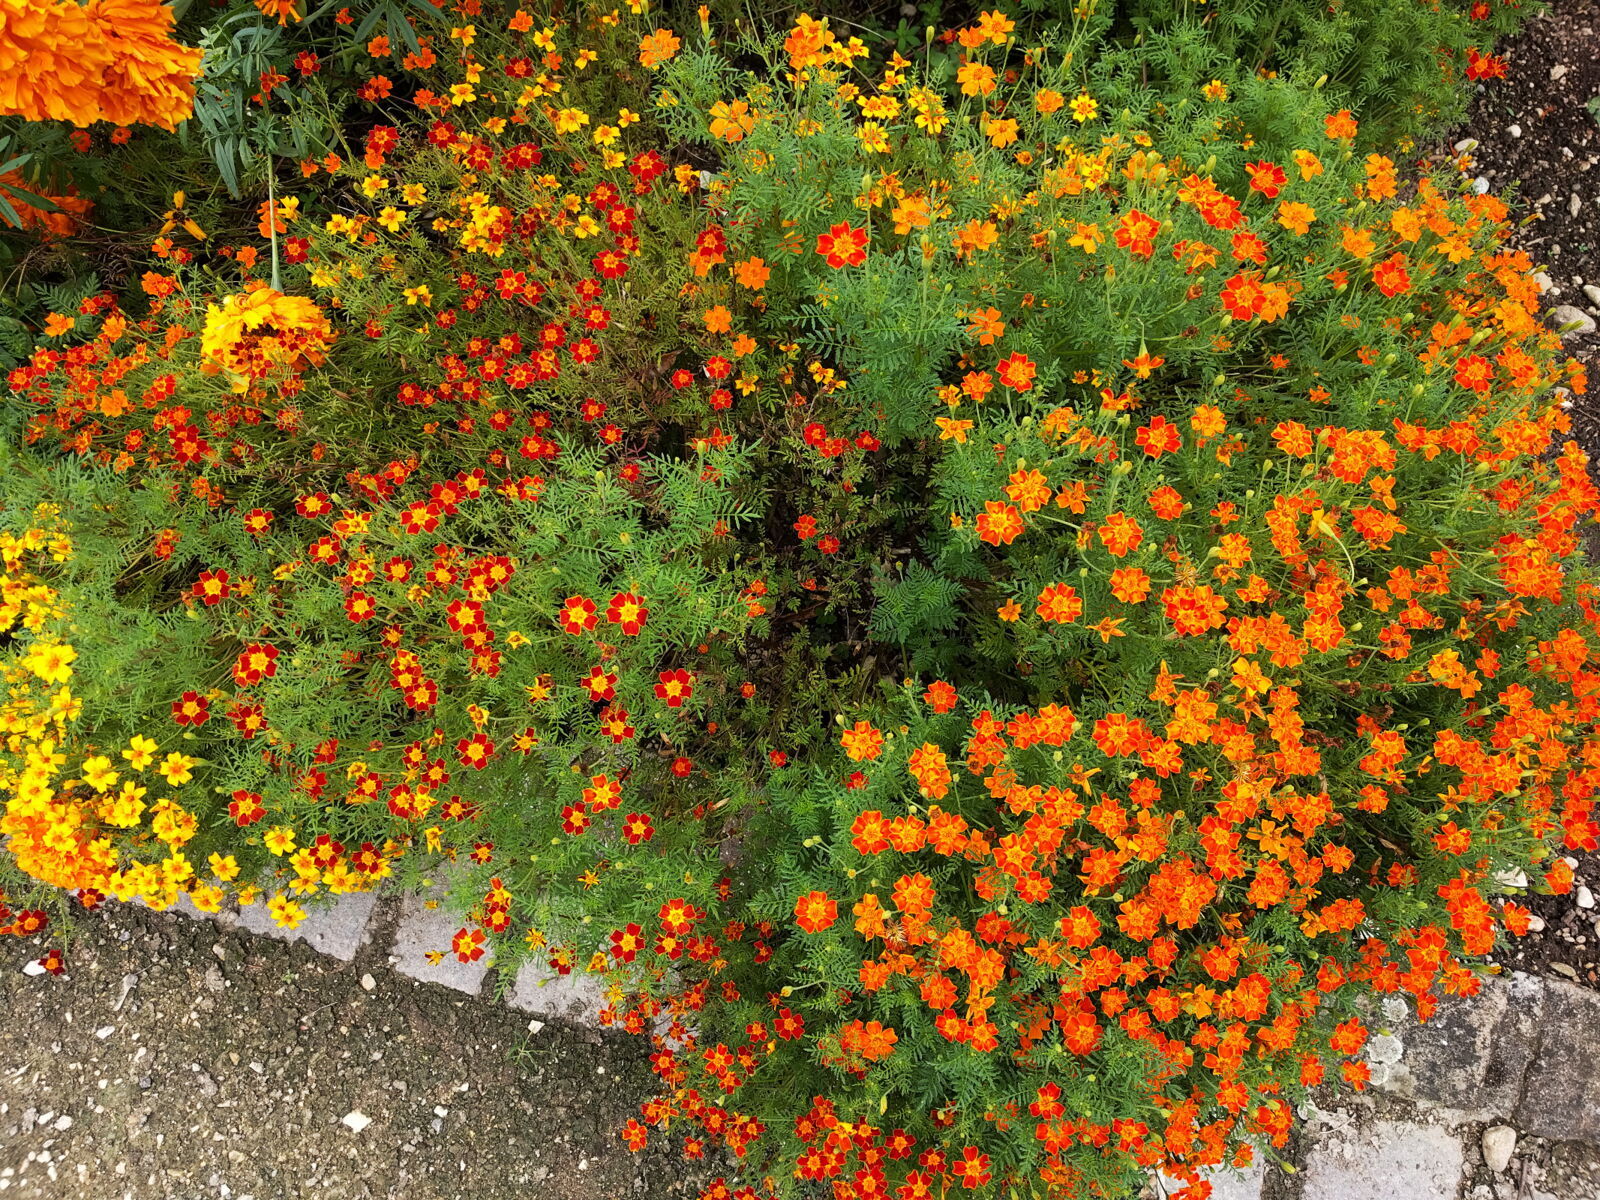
x,y
335,926
1472,1056
1561,1095
1225,1185
577,997
1387,1160
427,925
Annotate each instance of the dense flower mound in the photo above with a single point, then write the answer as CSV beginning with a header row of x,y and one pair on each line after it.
x,y
108,60
1002,608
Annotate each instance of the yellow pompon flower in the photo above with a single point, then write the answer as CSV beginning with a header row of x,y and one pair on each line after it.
x,y
262,332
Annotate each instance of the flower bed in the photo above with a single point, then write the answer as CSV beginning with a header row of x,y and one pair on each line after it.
x,y
1005,605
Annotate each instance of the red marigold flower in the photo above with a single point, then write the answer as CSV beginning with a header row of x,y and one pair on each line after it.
x,y
212,587
245,808
577,615
674,687
1267,178
468,945
257,661
626,943
843,246
475,751
1017,372
1473,372
972,1168
1159,437
940,696
1391,275
191,709
1136,233
637,828
628,611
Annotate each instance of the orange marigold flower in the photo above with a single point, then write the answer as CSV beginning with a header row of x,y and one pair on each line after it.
x,y
815,911
657,47
999,523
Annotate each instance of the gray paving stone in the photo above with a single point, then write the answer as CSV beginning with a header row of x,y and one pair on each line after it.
x,y
423,929
1561,1096
1225,1185
1390,1160
1471,1057
578,997
333,926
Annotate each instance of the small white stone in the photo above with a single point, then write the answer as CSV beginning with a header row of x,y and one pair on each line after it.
x,y
1574,203
1480,185
368,983
356,1120
1514,130
1572,321
1511,877
535,1026
1535,924
1544,281
1499,1143
1584,898
1592,292
63,1123
105,1031
1557,71
32,968
1466,144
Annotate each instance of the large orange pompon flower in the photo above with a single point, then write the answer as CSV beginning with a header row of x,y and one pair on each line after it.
x,y
112,60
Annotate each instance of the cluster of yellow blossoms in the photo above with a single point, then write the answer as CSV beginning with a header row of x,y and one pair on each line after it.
x,y
262,332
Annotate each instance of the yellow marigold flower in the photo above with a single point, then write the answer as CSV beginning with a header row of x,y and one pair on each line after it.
x,y
570,120
98,773
872,137
177,768
1084,107
141,752
279,839
51,661
286,914
731,122
224,866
